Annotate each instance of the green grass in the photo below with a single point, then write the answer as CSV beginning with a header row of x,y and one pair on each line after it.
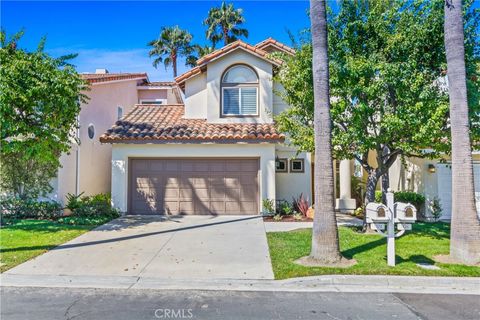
x,y
369,250
26,239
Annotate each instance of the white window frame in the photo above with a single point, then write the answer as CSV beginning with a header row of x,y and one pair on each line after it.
x,y
240,114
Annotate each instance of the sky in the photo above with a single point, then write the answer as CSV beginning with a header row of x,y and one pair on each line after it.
x,y
114,34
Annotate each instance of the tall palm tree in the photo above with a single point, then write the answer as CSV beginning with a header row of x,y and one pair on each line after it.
x,y
172,43
198,51
325,247
223,24
465,232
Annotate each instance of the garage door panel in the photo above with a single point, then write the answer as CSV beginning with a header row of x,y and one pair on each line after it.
x,y
194,186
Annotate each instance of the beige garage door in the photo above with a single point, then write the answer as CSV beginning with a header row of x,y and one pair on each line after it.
x,y
193,186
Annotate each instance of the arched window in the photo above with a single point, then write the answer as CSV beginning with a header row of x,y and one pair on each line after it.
x,y
239,92
91,131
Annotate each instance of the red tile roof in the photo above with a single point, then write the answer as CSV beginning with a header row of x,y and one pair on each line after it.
x,y
270,42
165,123
158,84
220,52
104,77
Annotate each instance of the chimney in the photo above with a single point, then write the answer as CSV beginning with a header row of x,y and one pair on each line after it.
x,y
101,71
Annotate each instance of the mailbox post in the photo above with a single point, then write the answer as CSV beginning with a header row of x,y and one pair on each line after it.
x,y
401,213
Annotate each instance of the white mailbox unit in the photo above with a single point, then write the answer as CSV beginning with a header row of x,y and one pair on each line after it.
x,y
377,213
405,212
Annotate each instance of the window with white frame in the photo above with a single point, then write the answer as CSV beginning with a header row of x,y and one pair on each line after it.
x,y
119,112
239,92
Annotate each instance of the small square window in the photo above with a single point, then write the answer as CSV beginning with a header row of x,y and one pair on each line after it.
x,y
281,165
297,165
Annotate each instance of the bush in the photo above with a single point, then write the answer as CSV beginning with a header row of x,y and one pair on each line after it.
x,y
301,204
269,206
435,208
417,199
16,208
284,208
98,205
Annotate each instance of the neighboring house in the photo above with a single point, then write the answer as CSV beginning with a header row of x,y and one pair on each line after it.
x,y
207,143
87,168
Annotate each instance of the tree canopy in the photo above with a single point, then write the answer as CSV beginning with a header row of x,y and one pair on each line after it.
x,y
387,76
40,99
223,23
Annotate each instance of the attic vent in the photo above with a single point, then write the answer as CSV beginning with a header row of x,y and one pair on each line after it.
x,y
101,71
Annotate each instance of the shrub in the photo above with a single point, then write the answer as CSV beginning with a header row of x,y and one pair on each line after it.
x,y
17,208
435,208
269,206
277,217
284,208
98,205
301,204
378,196
417,199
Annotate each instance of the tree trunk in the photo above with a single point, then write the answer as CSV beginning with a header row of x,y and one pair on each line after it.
x,y
385,186
371,186
465,228
174,64
225,36
325,247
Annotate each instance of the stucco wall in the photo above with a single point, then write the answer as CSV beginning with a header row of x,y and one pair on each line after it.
x,y
152,94
278,104
196,97
122,152
289,185
95,158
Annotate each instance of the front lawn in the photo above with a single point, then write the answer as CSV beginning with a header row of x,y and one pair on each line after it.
x,y
26,239
369,250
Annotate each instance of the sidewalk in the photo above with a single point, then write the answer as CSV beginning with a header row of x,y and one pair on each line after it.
x,y
333,283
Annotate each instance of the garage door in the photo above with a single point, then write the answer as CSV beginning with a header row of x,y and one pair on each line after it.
x,y
193,186
445,188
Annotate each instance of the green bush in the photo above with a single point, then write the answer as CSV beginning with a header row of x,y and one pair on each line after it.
x,y
283,207
91,207
17,208
417,199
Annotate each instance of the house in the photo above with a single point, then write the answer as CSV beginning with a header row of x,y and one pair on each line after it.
x,y
218,152
87,168
207,144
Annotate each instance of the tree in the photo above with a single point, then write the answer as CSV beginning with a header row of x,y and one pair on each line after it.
x,y
325,246
172,43
199,52
387,65
465,232
223,24
40,100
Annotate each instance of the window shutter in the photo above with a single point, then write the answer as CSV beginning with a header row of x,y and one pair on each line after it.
x,y
249,100
231,101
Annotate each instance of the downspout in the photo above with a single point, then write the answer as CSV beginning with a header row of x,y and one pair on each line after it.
x,y
77,160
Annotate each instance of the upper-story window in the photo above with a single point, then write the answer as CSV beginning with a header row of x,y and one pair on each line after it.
x,y
240,92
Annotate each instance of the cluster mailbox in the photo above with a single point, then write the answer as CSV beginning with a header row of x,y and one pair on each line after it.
x,y
377,213
405,212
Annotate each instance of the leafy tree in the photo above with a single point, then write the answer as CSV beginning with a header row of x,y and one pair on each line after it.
x,y
387,64
325,246
172,43
40,99
465,241
223,24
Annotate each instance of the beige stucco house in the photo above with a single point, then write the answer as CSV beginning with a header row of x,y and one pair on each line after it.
x,y
207,144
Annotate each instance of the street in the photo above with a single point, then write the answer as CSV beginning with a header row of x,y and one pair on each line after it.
x,y
70,303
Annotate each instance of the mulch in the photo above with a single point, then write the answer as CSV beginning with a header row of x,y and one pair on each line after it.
x,y
287,219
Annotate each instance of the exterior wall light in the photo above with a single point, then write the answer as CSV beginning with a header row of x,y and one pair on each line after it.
x,y
431,168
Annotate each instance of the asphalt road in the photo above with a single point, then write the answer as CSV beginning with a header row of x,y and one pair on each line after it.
x,y
61,303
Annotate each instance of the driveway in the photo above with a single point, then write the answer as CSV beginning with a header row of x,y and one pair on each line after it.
x,y
185,247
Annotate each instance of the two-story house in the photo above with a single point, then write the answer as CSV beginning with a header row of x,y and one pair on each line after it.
x,y
219,151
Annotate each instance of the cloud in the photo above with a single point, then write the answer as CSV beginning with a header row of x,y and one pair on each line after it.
x,y
134,60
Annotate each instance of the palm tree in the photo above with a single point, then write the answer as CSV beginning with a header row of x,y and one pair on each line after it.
x,y
465,233
325,247
223,24
198,52
172,43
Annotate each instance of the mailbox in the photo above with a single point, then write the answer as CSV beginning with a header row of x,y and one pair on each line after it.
x,y
377,213
405,212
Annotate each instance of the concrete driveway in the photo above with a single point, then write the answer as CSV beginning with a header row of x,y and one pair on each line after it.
x,y
186,247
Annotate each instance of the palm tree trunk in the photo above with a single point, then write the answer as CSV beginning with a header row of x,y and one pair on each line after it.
x,y
325,247
465,232
174,64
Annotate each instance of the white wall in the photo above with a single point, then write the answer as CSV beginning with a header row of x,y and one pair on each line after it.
x,y
278,104
121,153
289,185
196,97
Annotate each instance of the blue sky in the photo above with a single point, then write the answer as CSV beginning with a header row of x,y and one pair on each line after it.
x,y
114,34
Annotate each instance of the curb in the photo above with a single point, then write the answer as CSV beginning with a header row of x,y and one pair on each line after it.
x,y
333,283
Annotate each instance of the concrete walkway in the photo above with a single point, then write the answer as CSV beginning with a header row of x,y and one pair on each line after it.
x,y
186,247
342,220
